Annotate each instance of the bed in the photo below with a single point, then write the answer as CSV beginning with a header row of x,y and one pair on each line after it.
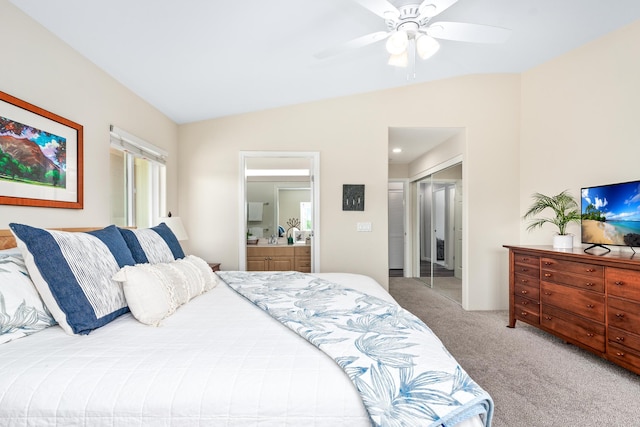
x,y
220,357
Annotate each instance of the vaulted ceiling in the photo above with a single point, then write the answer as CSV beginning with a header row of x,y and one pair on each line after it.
x,y
201,59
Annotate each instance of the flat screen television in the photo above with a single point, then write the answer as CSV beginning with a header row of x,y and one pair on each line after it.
x,y
610,215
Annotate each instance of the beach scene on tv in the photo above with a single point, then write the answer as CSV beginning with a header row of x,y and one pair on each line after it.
x,y
611,214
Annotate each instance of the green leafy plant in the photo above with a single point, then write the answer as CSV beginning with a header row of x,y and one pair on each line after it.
x,y
564,206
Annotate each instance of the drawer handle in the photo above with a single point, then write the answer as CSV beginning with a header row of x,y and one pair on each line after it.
x,y
618,283
548,317
589,305
524,314
590,284
524,292
525,259
524,269
620,315
590,270
524,281
590,335
620,354
524,302
620,339
547,274
548,263
547,293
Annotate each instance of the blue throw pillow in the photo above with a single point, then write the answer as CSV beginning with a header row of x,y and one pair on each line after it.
x,y
73,273
153,245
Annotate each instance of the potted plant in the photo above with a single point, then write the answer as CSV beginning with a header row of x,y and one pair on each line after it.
x,y
565,209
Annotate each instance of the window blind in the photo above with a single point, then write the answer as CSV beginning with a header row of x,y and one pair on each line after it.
x,y
124,141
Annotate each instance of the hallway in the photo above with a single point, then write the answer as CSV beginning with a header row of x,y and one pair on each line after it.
x,y
444,281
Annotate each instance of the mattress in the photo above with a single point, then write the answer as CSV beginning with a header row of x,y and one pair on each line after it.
x,y
218,360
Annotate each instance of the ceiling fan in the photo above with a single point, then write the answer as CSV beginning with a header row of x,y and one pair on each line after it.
x,y
409,30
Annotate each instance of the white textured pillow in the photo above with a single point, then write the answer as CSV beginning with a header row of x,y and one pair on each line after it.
x,y
21,309
154,291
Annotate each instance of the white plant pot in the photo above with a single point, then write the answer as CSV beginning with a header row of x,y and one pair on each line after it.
x,y
563,241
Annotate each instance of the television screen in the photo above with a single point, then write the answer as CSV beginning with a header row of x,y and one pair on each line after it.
x,y
611,214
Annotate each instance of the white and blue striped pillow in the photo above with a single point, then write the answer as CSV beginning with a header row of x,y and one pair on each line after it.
x,y
73,273
153,245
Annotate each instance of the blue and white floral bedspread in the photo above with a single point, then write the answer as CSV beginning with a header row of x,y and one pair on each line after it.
x,y
405,375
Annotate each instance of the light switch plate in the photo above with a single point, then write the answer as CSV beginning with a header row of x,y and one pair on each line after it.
x,y
363,226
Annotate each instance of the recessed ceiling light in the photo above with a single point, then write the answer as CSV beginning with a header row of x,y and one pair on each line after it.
x,y
397,150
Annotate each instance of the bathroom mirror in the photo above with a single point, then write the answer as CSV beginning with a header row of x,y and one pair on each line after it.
x,y
271,203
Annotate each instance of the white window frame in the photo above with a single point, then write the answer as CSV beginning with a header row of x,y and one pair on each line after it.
x,y
134,147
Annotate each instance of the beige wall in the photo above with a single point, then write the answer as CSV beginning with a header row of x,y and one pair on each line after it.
x,y
565,124
351,134
580,117
44,71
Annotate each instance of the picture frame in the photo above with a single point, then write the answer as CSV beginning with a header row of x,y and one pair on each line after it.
x,y
353,197
41,157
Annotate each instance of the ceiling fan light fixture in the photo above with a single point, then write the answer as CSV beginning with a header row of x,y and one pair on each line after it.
x,y
426,46
397,43
428,10
391,14
399,60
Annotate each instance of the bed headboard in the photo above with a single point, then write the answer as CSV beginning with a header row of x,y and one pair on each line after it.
x,y
8,241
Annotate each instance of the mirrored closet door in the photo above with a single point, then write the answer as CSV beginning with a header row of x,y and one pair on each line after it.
x,y
439,201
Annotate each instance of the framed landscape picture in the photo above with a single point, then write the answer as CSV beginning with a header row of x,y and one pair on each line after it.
x,y
41,161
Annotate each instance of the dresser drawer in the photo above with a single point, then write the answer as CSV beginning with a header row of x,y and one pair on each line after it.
x,y
623,283
527,270
592,283
526,259
302,265
584,269
584,331
302,262
623,356
583,303
623,314
624,338
303,251
527,308
526,290
526,280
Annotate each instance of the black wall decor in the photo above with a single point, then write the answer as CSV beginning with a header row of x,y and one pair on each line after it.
x,y
353,197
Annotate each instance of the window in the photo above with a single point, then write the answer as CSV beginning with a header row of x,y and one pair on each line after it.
x,y
138,182
305,216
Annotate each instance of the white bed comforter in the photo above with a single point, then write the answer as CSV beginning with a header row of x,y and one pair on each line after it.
x,y
217,361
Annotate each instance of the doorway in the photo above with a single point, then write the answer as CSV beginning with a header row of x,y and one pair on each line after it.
x,y
262,175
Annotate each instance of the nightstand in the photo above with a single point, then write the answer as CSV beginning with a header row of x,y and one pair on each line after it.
x,y
215,266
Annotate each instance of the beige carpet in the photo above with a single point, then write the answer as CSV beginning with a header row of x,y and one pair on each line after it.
x,y
534,378
449,287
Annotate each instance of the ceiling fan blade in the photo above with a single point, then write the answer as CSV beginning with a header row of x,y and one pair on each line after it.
x,y
474,33
431,8
381,8
353,44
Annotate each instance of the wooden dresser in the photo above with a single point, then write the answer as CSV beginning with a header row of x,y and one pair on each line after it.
x,y
592,301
